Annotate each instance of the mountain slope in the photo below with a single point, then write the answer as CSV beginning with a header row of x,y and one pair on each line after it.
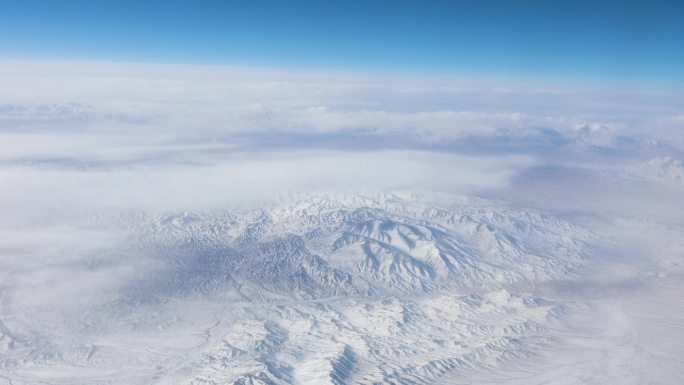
x,y
323,289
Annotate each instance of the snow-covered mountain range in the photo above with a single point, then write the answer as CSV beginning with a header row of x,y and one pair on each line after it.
x,y
323,289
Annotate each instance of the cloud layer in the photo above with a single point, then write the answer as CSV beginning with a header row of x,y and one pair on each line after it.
x,y
96,135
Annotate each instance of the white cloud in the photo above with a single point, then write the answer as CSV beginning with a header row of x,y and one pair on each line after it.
x,y
200,102
244,177
163,136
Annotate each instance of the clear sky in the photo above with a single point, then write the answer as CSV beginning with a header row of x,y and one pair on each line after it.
x,y
642,39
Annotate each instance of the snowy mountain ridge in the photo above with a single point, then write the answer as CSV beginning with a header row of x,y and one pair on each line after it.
x,y
322,290
361,246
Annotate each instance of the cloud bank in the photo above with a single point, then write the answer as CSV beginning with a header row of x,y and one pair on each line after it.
x,y
112,135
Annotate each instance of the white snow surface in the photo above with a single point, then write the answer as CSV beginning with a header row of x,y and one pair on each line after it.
x,y
332,289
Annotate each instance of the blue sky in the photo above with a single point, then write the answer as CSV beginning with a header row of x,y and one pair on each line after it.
x,y
506,37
